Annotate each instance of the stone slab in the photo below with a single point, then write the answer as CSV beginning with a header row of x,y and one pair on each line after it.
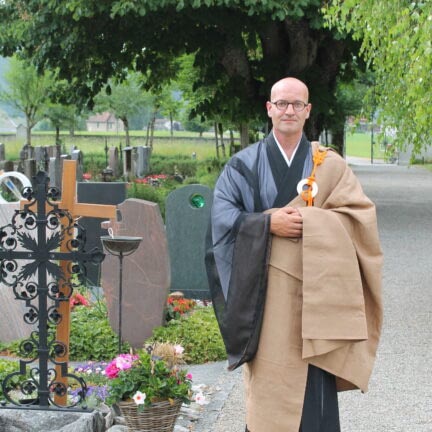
x,y
186,227
31,420
12,325
146,273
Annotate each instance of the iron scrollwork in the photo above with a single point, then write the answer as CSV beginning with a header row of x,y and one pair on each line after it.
x,y
31,247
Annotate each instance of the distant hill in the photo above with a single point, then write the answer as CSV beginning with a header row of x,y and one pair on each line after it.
x,y
4,66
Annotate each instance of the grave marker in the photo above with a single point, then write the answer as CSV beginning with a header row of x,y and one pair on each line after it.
x,y
98,193
187,215
68,201
146,273
11,312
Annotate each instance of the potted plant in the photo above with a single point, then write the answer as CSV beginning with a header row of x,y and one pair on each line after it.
x,y
149,388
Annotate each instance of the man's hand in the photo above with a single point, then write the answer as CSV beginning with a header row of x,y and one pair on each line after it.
x,y
286,222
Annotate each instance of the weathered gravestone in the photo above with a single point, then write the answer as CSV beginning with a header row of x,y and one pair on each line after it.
x,y
29,168
42,158
55,166
12,325
77,155
143,161
146,273
114,161
187,215
97,193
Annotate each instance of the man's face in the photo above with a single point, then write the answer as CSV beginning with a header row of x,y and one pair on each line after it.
x,y
288,122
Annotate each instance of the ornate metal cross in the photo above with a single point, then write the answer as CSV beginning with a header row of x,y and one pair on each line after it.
x,y
29,263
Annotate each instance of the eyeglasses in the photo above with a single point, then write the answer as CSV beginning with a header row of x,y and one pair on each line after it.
x,y
283,105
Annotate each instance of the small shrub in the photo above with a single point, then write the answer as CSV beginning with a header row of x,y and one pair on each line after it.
x,y
149,193
7,367
91,336
197,332
94,163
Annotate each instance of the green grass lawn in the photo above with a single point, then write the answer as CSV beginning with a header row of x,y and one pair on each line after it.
x,y
95,143
357,144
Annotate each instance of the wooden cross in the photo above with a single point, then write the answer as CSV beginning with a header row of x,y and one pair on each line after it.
x,y
69,202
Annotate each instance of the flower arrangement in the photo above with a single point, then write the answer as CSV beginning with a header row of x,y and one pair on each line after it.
x,y
147,378
176,307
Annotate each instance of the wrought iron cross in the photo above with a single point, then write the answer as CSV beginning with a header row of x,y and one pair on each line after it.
x,y
34,273
75,209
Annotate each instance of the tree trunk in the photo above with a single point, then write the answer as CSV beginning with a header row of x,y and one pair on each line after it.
x,y
222,144
216,139
338,140
126,129
150,130
152,126
28,132
57,136
244,135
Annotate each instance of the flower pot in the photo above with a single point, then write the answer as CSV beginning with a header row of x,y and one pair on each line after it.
x,y
158,417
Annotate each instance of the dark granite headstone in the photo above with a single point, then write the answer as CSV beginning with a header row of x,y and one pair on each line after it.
x,y
78,156
187,214
146,272
97,193
29,167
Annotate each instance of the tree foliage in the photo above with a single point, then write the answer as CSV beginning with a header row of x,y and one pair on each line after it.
x,y
123,99
396,42
240,48
27,91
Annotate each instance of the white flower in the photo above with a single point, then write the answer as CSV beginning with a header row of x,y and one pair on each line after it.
x,y
200,399
178,349
139,398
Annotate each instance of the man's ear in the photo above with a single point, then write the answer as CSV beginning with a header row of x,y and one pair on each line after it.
x,y
268,107
309,108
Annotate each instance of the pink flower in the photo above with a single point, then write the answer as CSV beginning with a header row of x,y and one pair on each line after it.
x,y
121,362
189,376
111,371
124,363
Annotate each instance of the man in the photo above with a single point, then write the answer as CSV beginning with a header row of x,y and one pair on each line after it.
x,y
295,273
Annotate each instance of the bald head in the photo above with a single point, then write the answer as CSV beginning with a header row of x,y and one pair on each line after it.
x,y
291,84
288,121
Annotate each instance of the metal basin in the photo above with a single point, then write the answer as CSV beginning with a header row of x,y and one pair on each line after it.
x,y
120,244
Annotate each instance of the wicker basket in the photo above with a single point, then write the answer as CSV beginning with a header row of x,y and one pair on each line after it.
x,y
159,417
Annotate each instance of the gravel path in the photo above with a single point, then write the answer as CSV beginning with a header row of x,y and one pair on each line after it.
x,y
400,392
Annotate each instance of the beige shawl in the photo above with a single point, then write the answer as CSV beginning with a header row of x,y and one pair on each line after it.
x,y
323,304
